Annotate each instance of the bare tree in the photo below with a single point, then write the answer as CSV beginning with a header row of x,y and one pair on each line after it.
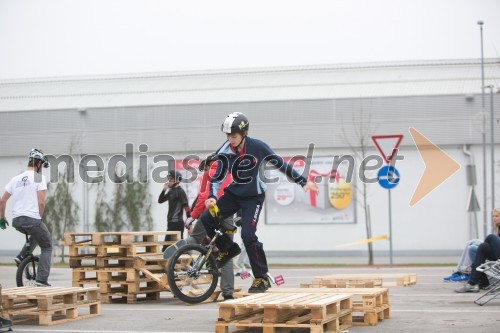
x,y
359,142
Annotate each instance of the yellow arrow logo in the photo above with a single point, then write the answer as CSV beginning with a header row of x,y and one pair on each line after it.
x,y
439,166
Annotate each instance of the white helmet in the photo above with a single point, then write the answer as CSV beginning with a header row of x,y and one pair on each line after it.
x,y
235,122
37,154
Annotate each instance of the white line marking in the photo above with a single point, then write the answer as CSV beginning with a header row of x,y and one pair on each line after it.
x,y
92,331
447,311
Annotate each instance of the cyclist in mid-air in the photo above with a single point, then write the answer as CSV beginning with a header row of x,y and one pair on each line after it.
x,y
243,157
28,203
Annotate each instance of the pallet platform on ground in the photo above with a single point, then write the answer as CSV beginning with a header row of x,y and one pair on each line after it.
x,y
341,284
145,294
50,306
317,312
369,305
379,280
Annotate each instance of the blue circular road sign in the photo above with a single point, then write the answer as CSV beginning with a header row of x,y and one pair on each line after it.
x,y
388,177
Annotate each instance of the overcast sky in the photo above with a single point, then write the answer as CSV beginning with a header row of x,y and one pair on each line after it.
x,y
87,37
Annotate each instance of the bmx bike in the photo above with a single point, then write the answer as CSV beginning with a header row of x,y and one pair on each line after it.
x,y
192,271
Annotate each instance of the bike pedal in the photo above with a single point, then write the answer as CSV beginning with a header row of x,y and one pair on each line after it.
x,y
244,275
279,280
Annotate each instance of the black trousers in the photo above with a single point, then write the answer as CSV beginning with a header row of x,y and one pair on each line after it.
x,y
173,226
250,211
489,250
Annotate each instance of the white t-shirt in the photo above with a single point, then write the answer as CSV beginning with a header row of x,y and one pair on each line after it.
x,y
23,189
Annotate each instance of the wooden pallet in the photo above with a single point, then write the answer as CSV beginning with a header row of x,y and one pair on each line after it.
x,y
369,305
317,312
379,280
145,294
93,261
151,260
120,238
128,250
340,284
90,275
50,306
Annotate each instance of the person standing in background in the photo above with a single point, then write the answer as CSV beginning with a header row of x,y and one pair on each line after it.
x,y
177,203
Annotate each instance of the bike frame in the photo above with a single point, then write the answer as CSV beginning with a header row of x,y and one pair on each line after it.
x,y
29,252
28,255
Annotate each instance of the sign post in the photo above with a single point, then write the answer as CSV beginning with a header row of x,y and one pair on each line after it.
x,y
388,176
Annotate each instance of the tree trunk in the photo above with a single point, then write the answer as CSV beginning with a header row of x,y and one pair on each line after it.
x,y
368,225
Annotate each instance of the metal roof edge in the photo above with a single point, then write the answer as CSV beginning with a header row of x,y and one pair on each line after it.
x,y
256,70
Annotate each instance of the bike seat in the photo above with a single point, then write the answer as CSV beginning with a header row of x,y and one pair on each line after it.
x,y
227,226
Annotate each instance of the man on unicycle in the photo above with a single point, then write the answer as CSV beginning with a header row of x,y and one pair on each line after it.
x,y
28,203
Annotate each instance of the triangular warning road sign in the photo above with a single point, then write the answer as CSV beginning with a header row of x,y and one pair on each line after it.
x,y
387,145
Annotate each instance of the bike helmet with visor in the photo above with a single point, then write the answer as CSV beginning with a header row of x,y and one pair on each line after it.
x,y
37,154
235,122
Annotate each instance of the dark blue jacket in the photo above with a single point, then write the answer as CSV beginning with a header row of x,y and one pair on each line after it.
x,y
247,169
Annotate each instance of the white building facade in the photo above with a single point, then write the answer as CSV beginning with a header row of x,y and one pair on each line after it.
x,y
331,107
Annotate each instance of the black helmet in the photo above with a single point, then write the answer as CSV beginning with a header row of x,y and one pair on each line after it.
x,y
210,158
235,122
175,175
37,155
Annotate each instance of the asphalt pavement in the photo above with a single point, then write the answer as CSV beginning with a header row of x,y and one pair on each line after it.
x,y
429,306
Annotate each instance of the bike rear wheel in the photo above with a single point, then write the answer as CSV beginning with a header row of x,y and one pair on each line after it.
x,y
192,275
26,272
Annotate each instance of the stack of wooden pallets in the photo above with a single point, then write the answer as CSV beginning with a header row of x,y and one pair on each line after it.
x,y
126,266
4,323
291,311
50,306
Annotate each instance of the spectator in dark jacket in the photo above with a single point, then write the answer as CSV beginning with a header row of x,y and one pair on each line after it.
x,y
177,203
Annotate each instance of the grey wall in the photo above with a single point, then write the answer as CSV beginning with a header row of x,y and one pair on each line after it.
x,y
446,120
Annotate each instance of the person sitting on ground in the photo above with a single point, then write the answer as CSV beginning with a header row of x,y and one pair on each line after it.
x,y
28,204
464,266
462,272
489,250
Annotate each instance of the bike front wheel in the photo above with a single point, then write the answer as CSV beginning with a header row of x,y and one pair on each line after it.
x,y
192,274
26,272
